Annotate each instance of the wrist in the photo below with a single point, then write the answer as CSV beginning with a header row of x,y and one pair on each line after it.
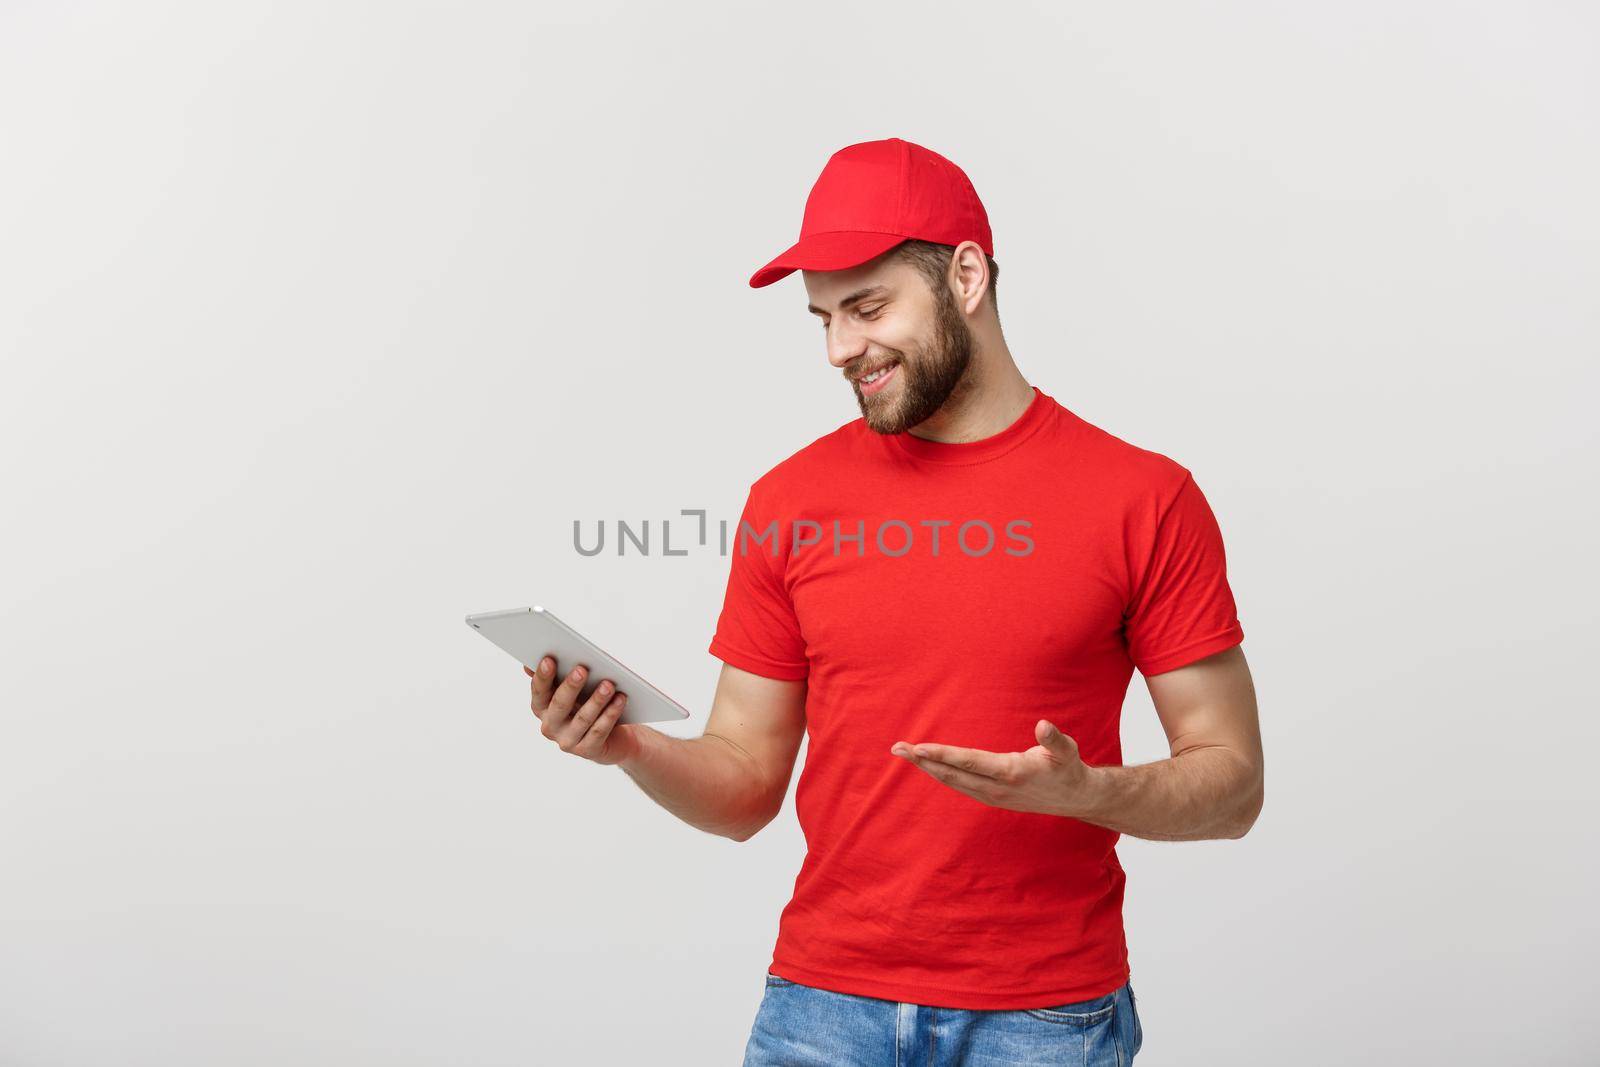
x,y
1090,798
633,745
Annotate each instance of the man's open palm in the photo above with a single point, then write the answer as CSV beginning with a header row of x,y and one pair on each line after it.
x,y
1049,778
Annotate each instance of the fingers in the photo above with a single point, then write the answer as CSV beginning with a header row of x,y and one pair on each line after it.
x,y
542,682
592,745
570,733
998,765
554,707
583,731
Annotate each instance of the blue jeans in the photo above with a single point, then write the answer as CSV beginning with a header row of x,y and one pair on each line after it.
x,y
802,1026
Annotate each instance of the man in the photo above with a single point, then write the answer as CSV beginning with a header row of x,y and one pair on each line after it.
x,y
950,595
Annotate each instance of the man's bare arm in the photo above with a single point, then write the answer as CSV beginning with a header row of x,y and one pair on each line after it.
x,y
1213,785
731,780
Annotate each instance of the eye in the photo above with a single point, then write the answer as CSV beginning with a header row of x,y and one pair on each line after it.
x,y
871,313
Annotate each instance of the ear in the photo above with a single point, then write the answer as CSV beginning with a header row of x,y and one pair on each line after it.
x,y
969,276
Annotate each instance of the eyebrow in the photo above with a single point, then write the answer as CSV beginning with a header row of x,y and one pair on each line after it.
x,y
859,294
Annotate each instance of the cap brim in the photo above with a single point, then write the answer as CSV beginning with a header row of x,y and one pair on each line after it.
x,y
837,250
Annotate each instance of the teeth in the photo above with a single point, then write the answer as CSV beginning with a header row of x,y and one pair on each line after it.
x,y
875,375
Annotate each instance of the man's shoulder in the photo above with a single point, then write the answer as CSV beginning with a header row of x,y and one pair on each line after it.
x,y
1118,461
812,460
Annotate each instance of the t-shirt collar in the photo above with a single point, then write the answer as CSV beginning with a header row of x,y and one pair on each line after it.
x,y
985,448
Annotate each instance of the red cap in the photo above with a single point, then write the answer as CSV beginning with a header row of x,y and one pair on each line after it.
x,y
873,195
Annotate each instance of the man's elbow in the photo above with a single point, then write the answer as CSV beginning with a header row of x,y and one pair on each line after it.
x,y
753,827
1250,809
747,832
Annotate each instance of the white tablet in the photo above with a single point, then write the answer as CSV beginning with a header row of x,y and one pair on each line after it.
x,y
530,634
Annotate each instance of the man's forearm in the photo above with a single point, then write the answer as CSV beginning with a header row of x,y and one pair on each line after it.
x,y
705,781
1197,795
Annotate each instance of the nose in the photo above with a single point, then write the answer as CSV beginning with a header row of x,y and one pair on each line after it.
x,y
844,345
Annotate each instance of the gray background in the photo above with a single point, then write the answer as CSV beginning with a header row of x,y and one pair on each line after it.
x,y
321,323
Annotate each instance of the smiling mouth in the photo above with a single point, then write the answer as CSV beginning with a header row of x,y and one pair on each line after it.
x,y
861,379
881,379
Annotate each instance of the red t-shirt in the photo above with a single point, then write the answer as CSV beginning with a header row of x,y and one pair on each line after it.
x,y
957,594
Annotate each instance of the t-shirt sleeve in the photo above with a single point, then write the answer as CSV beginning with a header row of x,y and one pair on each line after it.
x,y
1183,608
758,630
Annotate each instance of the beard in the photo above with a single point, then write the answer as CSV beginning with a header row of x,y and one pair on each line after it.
x,y
928,376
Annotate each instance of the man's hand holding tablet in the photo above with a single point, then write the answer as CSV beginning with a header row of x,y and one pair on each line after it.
x,y
599,724
589,730
729,781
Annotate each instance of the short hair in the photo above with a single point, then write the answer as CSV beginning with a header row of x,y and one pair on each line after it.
x,y
932,261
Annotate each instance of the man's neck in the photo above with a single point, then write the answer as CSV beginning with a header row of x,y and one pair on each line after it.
x,y
981,410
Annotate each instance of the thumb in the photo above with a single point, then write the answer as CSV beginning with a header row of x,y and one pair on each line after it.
x,y
1050,737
